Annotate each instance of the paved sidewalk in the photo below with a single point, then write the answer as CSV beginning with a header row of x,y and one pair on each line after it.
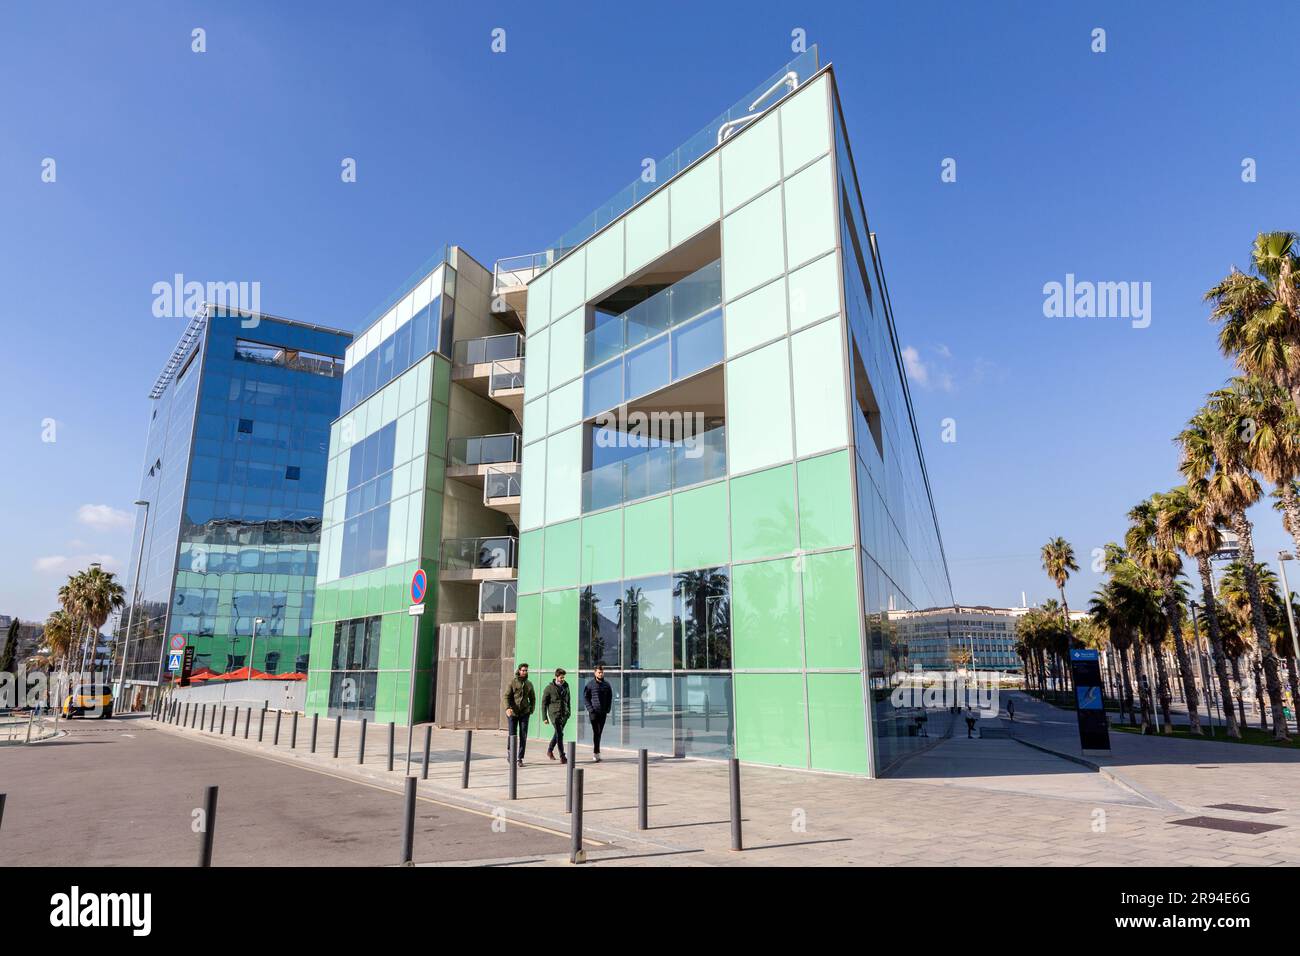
x,y
1008,806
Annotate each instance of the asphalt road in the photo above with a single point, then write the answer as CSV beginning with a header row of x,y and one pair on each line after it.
x,y
118,792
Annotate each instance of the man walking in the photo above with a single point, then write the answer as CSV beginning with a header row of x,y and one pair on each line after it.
x,y
598,697
520,700
555,711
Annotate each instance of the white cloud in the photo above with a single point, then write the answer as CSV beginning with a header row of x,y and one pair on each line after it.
x,y
103,517
916,369
67,564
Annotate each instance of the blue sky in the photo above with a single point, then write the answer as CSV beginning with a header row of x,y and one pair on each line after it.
x,y
1115,166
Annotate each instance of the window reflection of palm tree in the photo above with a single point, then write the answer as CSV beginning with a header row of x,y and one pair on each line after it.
x,y
706,627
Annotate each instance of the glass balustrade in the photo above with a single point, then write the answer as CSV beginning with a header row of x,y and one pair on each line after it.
x,y
682,301
506,376
497,597
654,470
489,348
501,484
473,554
483,449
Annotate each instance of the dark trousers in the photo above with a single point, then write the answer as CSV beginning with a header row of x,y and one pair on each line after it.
x,y
557,738
597,727
518,725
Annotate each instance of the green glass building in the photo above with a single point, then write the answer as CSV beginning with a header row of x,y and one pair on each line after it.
x,y
710,481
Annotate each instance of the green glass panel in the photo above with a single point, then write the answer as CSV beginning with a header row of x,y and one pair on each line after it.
x,y
825,502
805,126
757,318
530,561
694,200
604,260
602,547
765,615
390,642
752,250
814,291
751,162
821,418
561,550
762,514
837,727
770,719
758,409
528,629
810,213
647,538
647,231
831,614
700,532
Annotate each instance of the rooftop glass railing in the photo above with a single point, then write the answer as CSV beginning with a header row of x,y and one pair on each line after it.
x,y
656,469
474,554
767,94
506,375
438,258
483,449
489,348
682,301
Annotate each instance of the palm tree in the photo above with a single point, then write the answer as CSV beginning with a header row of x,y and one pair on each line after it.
x,y
1192,524
1152,545
1260,313
1233,589
1215,463
1058,562
1107,615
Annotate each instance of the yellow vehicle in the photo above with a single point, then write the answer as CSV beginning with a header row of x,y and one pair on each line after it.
x,y
95,700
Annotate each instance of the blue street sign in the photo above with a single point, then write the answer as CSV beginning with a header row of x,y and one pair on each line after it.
x,y
419,585
174,661
1089,698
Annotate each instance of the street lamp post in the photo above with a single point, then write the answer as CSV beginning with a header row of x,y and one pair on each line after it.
x,y
135,595
1282,558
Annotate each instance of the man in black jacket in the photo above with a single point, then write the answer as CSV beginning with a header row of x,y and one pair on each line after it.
x,y
598,697
555,711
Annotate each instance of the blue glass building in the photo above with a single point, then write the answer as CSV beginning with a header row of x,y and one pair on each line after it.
x,y
234,482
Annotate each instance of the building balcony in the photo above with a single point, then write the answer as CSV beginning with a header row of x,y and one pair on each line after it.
x,y
492,366
489,462
510,278
480,559
496,600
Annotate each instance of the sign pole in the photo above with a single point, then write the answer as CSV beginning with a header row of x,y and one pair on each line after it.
x,y
419,587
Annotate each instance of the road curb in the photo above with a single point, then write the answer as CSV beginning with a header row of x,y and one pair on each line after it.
x,y
1154,799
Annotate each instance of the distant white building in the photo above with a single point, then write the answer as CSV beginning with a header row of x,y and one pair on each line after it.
x,y
989,633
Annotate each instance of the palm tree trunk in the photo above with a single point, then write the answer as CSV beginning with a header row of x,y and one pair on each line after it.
x,y
1295,686
1148,718
1259,696
1216,644
1186,677
1162,686
1247,545
1241,695
1127,700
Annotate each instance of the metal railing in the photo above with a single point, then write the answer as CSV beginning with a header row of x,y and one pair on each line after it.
x,y
483,449
501,484
497,597
705,141
28,728
488,348
514,273
475,554
505,378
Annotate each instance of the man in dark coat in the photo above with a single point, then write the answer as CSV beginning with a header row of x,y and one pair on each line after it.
x,y
520,700
555,711
598,697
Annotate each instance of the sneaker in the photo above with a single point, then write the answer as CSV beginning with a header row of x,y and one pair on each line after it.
x,y
519,762
551,756
595,758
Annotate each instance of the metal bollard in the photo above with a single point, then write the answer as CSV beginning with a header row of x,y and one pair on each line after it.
x,y
338,730
234,724
642,790
186,719
314,718
408,824
212,724
361,751
222,732
428,739
203,715
248,721
512,748
2,809
576,853
464,769
736,843
275,741
293,732
568,776
261,724
392,733
209,827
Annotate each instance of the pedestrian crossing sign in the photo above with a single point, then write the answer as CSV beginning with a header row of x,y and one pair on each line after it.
x,y
174,661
